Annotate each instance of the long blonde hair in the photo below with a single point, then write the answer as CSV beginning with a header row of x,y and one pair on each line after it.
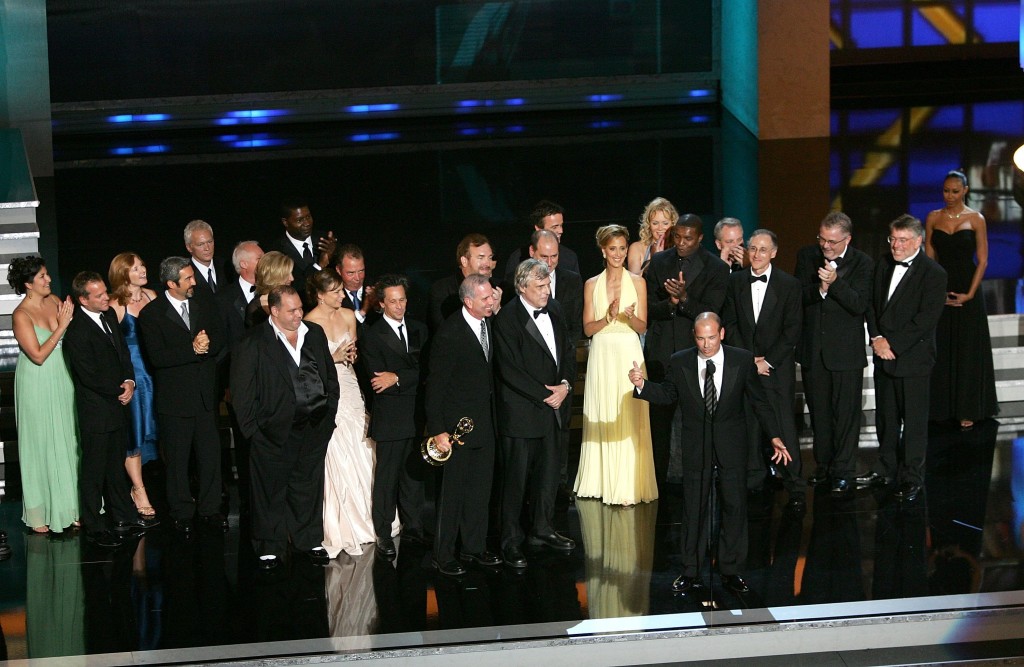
x,y
656,204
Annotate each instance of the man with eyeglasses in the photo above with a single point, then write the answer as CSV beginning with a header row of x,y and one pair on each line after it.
x,y
835,286
909,294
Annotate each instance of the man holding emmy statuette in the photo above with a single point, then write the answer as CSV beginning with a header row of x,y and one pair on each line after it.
x,y
460,385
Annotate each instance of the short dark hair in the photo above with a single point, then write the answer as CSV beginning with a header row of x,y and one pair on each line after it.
x,y
391,280
322,281
471,240
907,222
687,220
293,204
837,219
170,269
81,282
347,250
274,295
543,209
766,232
23,270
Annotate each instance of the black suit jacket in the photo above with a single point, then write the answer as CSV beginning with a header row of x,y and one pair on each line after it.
x,y
302,269
460,383
777,331
444,299
837,320
262,390
569,294
98,369
740,386
371,315
185,382
909,318
224,275
670,328
524,366
394,412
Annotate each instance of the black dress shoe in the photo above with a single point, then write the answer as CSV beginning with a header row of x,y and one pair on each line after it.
x,y
513,557
386,547
818,478
871,479
684,583
216,521
268,562
449,568
553,540
319,556
907,491
104,538
735,583
840,488
797,504
485,558
184,526
132,527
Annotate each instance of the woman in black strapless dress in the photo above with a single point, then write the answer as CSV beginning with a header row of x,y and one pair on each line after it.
x,y
963,382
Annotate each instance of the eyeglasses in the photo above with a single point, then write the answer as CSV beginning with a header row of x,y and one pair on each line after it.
x,y
899,240
829,242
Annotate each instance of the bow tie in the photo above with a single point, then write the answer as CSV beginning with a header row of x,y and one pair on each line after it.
x,y
837,260
904,264
252,289
540,311
762,278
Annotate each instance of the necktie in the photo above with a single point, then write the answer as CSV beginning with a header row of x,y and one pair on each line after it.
x,y
754,279
401,337
184,315
484,343
106,329
710,395
355,299
540,311
210,279
307,254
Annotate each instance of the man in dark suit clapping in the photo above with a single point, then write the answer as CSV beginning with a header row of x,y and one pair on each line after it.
x,y
391,348
182,338
909,294
460,385
285,390
535,362
308,251
104,384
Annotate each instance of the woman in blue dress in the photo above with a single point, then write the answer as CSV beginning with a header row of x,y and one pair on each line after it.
x,y
129,296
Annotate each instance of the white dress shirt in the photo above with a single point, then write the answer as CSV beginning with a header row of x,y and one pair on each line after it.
x,y
757,290
899,272
547,330
702,365
295,352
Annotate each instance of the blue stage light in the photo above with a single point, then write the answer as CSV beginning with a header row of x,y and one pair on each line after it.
x,y
139,118
377,136
604,98
514,128
700,93
372,108
515,102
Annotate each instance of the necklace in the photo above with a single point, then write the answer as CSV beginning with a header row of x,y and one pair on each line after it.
x,y
952,216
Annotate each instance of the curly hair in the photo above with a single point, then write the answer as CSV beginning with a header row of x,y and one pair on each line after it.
x,y
23,270
655,205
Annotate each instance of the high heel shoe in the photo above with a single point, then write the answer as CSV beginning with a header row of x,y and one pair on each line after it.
x,y
145,511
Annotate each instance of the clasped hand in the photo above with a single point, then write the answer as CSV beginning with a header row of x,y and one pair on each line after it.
x,y
201,343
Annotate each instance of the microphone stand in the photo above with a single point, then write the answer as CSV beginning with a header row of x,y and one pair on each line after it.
x,y
711,547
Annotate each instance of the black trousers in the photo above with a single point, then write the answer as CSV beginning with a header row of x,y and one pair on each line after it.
x,y
780,398
288,491
901,414
529,468
834,401
398,484
102,477
463,502
732,536
180,436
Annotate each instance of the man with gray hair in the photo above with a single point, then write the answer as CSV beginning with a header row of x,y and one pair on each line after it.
x,y
535,362
182,337
211,272
729,241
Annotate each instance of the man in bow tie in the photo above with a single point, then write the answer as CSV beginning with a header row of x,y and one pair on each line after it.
x,y
536,364
909,294
762,315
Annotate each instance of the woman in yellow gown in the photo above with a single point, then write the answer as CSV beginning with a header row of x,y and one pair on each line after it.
x,y
616,460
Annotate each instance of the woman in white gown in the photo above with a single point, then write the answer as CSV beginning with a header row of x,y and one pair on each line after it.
x,y
350,453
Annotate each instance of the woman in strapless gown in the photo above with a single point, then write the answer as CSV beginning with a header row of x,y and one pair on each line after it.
x,y
348,481
616,457
963,381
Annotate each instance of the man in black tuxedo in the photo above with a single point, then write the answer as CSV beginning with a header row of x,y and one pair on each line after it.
x,y
211,272
729,241
285,391
233,298
359,297
535,363
182,337
909,294
460,384
763,315
712,385
549,216
835,287
101,368
682,281
308,251
474,256
391,348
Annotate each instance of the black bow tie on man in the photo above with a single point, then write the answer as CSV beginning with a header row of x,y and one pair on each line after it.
x,y
761,278
540,311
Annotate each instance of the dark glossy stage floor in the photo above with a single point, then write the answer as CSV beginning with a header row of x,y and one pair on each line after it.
x,y
65,597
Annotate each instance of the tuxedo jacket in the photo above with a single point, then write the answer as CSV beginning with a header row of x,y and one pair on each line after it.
x,y
444,299
98,369
224,275
524,366
777,331
909,318
460,383
394,412
262,389
670,328
232,304
740,386
569,295
185,382
302,269
568,260
833,327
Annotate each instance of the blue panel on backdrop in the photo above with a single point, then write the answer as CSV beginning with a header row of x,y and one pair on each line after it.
x,y
929,168
873,120
923,33
947,118
1002,118
876,28
997,21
